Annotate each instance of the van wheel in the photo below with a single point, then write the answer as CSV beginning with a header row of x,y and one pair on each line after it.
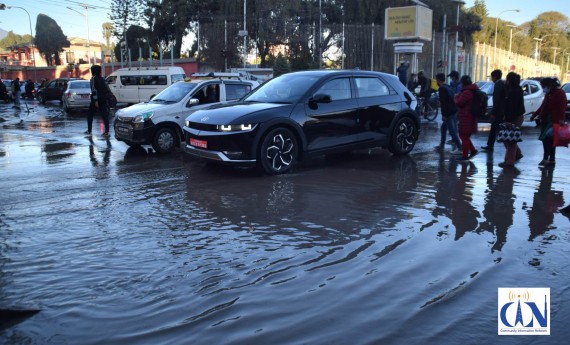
x,y
164,140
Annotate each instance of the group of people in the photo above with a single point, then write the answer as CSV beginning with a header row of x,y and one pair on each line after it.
x,y
456,100
16,91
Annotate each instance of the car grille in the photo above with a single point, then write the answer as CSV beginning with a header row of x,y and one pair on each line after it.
x,y
202,126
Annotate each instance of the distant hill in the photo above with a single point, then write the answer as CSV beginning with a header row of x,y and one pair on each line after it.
x,y
3,33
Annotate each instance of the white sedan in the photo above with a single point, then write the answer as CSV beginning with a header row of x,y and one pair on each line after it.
x,y
533,95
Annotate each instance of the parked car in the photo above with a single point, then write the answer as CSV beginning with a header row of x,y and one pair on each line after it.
x,y
77,95
532,91
303,114
159,122
566,88
54,90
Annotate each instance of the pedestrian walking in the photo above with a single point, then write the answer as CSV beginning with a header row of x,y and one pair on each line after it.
x,y
402,72
454,83
448,114
551,111
16,92
412,83
467,122
498,110
29,89
514,116
99,95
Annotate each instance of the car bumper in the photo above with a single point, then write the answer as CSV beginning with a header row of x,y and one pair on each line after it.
x,y
227,148
125,132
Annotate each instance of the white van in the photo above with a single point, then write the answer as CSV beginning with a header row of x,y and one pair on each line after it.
x,y
139,84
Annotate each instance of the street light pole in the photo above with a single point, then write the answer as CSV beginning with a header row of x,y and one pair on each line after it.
x,y
31,36
510,44
496,28
456,59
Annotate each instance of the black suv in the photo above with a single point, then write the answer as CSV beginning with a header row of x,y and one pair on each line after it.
x,y
54,90
304,114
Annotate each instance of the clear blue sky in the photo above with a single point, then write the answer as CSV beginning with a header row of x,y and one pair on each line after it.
x,y
529,9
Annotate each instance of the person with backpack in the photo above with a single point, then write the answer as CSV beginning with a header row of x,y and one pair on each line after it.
x,y
99,95
448,113
514,116
467,121
498,110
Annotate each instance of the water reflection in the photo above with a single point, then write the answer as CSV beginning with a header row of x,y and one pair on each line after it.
x,y
360,191
464,215
57,151
100,158
545,203
499,205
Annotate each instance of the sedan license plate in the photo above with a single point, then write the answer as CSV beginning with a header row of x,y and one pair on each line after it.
x,y
84,96
199,143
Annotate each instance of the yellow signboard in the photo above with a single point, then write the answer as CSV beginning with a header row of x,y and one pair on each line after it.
x,y
412,22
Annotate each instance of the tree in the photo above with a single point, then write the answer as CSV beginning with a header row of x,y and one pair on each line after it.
x,y
107,33
14,39
49,39
125,13
136,37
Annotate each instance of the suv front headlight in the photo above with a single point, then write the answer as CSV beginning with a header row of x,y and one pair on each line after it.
x,y
143,117
235,128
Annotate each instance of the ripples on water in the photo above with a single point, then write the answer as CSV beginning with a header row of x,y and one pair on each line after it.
x,y
363,248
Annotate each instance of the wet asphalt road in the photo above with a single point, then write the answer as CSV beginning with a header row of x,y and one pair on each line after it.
x,y
112,245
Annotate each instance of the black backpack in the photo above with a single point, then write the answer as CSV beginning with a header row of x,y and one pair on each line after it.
x,y
479,104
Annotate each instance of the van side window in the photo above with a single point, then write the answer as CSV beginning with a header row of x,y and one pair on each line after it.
x,y
236,91
111,79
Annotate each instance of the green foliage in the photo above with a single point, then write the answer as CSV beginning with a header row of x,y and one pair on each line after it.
x,y
50,39
280,66
13,39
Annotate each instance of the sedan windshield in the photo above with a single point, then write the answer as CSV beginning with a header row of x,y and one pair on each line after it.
x,y
566,87
174,93
288,88
79,85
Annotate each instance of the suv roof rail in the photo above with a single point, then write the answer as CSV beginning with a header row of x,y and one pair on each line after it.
x,y
216,75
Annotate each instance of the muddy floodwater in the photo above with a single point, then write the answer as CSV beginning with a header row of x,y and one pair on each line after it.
x,y
116,245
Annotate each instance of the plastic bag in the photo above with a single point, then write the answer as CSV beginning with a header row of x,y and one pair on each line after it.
x,y
561,135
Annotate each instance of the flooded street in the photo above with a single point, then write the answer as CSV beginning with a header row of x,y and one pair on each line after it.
x,y
115,245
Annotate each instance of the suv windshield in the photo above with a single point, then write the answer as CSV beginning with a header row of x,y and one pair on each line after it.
x,y
174,93
288,88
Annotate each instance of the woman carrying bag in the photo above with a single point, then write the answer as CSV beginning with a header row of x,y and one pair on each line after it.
x,y
514,117
551,111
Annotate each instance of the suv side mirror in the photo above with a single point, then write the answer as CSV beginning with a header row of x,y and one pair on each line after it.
x,y
192,101
318,98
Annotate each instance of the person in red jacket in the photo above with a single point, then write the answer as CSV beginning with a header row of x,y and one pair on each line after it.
x,y
551,111
467,122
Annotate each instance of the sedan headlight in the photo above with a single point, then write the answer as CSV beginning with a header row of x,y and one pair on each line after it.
x,y
143,117
235,128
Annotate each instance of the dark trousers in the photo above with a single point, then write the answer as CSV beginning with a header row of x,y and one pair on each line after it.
x,y
549,150
493,133
102,111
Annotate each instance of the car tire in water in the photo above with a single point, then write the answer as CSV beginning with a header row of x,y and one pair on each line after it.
x,y
164,140
41,98
278,151
404,136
